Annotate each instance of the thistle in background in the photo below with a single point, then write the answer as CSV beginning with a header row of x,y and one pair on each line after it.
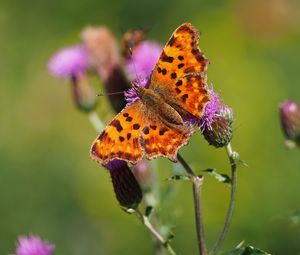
x,y
290,121
126,187
72,63
144,57
104,58
33,245
216,123
131,39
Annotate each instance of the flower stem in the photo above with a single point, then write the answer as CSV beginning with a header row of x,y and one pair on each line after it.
x,y
197,184
95,121
233,165
145,220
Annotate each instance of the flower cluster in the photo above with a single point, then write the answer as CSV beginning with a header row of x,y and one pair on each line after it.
x,y
33,245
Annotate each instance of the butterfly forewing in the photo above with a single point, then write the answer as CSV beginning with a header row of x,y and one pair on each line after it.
x,y
180,57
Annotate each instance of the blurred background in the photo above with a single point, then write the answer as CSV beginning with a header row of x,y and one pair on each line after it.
x,y
50,187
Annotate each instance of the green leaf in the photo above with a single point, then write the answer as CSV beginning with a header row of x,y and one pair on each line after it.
x,y
218,176
246,250
178,178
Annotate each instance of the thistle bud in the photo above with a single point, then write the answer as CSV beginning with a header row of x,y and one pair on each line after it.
x,y
142,173
72,63
131,39
126,187
290,120
104,58
216,123
84,93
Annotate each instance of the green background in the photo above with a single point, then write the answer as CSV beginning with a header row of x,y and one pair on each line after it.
x,y
50,187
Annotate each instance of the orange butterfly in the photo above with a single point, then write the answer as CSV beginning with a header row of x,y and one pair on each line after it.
x,y
153,125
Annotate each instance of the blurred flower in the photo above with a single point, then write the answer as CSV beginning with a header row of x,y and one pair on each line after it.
x,y
72,62
216,123
126,187
131,95
131,39
68,62
143,60
142,173
104,58
33,245
290,120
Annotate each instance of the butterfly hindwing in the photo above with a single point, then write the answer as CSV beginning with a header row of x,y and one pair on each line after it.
x,y
137,132
121,138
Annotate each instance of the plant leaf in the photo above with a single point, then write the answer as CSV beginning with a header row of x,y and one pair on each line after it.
x,y
224,178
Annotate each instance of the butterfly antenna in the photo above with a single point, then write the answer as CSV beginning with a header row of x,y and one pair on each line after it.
x,y
109,94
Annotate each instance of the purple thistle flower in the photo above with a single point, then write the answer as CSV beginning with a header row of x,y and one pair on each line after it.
x,y
143,60
33,245
131,95
127,190
210,111
68,62
216,123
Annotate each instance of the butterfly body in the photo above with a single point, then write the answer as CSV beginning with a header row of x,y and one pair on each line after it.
x,y
153,125
158,105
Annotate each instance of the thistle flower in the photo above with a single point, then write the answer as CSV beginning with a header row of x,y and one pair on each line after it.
x,y
33,245
72,63
131,95
131,39
143,60
69,62
290,120
216,123
104,58
126,187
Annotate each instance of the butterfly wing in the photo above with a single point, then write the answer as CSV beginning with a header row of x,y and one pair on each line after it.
x,y
121,138
136,132
179,73
160,139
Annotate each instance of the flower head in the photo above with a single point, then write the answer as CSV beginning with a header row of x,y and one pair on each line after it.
x,y
210,110
33,245
216,123
131,95
68,62
126,187
290,120
143,60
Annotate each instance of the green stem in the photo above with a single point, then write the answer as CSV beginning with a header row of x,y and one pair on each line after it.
x,y
95,121
197,184
224,231
145,220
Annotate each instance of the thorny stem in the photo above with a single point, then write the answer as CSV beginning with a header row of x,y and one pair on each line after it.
x,y
95,121
233,165
145,220
197,183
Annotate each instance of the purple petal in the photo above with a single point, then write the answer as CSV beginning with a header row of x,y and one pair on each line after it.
x,y
143,59
33,245
68,62
131,95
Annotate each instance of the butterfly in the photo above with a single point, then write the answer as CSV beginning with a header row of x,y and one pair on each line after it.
x,y
155,124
